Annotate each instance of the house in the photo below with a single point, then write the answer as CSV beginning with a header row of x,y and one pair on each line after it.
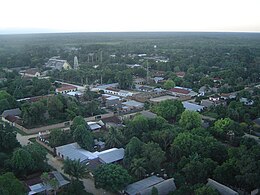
x,y
246,101
65,88
148,114
132,105
134,65
203,90
57,64
74,152
162,98
192,107
145,186
257,122
158,79
32,72
112,89
139,81
11,116
36,185
111,101
180,74
222,189
144,88
214,100
94,126
227,96
181,91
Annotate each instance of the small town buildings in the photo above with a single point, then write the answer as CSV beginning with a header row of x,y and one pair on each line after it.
x,y
180,74
134,65
222,189
113,90
144,88
74,152
111,101
11,116
36,185
226,96
145,186
192,107
148,114
158,79
181,91
214,100
32,72
132,105
57,64
139,81
65,88
246,101
94,126
162,98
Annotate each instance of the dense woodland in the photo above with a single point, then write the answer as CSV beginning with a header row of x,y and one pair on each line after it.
x,y
174,143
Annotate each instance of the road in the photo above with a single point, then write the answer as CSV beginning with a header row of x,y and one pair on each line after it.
x,y
57,164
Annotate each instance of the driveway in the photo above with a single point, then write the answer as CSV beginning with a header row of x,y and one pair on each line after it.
x,y
57,164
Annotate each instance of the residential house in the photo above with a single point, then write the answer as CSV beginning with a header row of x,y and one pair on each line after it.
x,y
74,152
222,189
145,186
94,126
111,101
57,64
139,81
148,114
227,96
132,105
181,91
32,72
113,90
144,88
213,100
37,186
158,79
180,74
192,107
203,90
65,88
246,101
162,98
11,116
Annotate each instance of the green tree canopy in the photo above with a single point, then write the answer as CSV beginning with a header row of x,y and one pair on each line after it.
x,y
169,84
75,169
111,177
83,137
10,185
190,120
114,138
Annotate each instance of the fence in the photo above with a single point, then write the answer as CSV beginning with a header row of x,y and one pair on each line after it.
x,y
60,125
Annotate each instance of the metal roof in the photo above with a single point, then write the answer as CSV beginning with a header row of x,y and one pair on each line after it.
x,y
141,185
133,103
192,107
163,187
13,112
222,189
111,155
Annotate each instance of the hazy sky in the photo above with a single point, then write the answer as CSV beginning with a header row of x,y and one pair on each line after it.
x,y
128,15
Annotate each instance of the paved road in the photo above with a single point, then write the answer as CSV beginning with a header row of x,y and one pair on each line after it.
x,y
57,164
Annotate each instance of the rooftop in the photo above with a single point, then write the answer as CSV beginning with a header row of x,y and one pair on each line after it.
x,y
222,189
192,107
65,87
133,103
12,112
163,98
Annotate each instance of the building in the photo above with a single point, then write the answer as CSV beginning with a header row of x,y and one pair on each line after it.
x,y
132,105
113,90
144,88
246,101
180,74
257,122
76,63
158,79
36,185
145,186
181,91
214,100
65,88
148,114
192,107
11,116
162,98
139,81
32,72
222,189
94,126
74,152
111,101
57,64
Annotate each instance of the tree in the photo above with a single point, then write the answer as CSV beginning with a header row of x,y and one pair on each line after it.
x,y
38,155
45,180
153,155
77,121
8,139
133,150
137,167
83,137
75,169
6,101
75,187
205,190
55,106
164,137
114,138
169,109
59,137
125,79
169,84
137,126
10,185
154,191
190,120
22,161
111,177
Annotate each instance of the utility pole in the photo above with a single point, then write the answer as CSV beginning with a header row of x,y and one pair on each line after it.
x,y
101,57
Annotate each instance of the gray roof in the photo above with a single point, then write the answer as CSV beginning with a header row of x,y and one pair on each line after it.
x,y
56,64
192,107
148,114
60,178
133,103
222,189
12,112
111,155
163,187
257,121
141,185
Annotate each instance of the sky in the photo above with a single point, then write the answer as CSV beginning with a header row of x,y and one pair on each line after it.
x,y
33,16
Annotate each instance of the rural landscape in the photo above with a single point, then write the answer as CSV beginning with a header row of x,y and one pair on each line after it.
x,y
137,113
